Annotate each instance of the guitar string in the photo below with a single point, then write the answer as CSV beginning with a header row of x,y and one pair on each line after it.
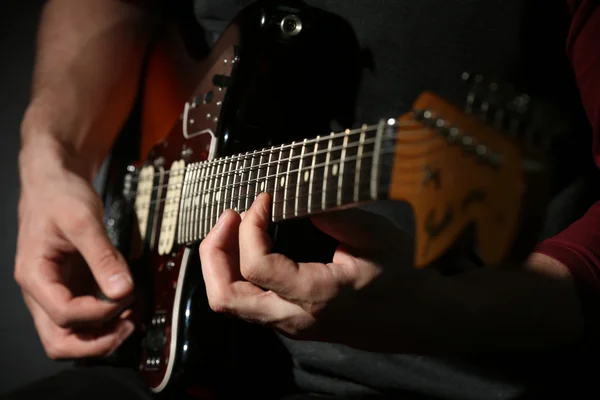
x,y
248,178
244,194
191,211
251,168
192,168
198,191
196,229
211,211
214,185
324,139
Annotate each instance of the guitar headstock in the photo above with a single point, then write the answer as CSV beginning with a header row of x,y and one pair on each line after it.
x,y
472,168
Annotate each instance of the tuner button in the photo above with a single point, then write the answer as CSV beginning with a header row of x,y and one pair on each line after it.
x,y
221,81
208,97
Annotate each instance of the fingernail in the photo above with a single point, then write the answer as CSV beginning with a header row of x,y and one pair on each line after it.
x,y
120,283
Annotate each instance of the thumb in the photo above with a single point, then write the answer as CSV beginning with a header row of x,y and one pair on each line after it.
x,y
361,229
105,262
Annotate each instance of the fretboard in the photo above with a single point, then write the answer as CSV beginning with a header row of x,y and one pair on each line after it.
x,y
302,178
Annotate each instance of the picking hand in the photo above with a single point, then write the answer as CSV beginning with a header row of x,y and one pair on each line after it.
x,y
60,226
311,301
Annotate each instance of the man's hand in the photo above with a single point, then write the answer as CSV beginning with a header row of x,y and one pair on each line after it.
x,y
60,227
305,300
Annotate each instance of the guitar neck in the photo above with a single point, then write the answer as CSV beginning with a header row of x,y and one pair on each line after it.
x,y
303,178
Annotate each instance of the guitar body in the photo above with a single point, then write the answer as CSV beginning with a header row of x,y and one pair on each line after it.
x,y
273,77
216,130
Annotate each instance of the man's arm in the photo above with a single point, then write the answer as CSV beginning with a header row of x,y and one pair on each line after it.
x,y
86,75
555,301
89,55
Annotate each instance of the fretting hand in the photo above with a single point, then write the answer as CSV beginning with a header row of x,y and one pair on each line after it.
x,y
330,302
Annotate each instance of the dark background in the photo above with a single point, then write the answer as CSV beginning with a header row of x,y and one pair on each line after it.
x,y
22,357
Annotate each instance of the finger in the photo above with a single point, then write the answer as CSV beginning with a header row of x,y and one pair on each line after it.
x,y
361,229
45,285
219,256
293,281
61,343
226,290
106,263
219,251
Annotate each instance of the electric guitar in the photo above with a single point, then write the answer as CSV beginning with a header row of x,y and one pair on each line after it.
x,y
215,131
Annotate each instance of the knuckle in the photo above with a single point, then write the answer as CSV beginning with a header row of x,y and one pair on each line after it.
x,y
250,271
80,219
107,260
61,318
220,303
204,249
19,276
54,350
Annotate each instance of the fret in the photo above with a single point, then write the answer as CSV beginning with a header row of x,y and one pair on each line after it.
x,y
214,200
229,184
224,180
270,176
194,181
251,184
343,157
359,156
190,216
277,190
190,203
197,202
290,175
299,179
243,184
260,185
199,197
282,181
220,191
375,164
316,175
326,172
235,190
312,172
203,193
334,171
208,196
184,196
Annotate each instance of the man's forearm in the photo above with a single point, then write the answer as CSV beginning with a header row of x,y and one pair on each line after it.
x,y
533,308
492,310
88,59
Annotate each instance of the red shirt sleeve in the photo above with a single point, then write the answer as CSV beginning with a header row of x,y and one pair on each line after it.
x,y
578,247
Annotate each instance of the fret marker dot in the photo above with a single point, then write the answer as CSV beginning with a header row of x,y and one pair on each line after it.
x,y
282,181
306,176
334,169
262,186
